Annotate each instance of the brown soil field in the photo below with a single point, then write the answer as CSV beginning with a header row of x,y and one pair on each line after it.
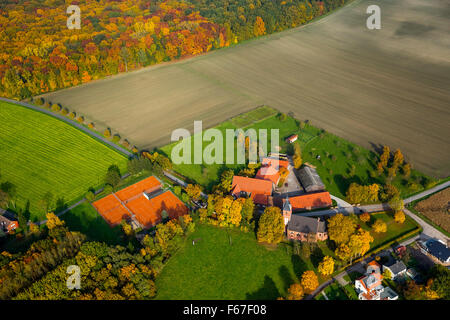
x,y
372,87
437,208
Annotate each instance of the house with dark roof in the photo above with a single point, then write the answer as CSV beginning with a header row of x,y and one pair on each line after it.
x,y
310,179
437,250
397,269
8,223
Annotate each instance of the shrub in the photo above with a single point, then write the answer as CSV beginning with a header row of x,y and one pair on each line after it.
x,y
39,101
91,125
399,217
135,149
365,217
90,196
48,105
177,190
80,119
116,138
107,132
72,115
125,143
56,108
108,189
64,111
282,117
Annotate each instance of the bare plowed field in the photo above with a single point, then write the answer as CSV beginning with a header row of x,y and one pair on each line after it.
x,y
388,86
437,208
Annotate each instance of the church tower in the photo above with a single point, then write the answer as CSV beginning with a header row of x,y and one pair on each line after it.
x,y
287,210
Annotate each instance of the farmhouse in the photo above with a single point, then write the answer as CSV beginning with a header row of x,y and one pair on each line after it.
x,y
369,286
142,204
270,169
310,179
310,201
257,189
7,222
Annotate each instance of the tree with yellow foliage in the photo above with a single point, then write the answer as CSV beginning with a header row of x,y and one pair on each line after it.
x,y
309,281
399,217
384,158
271,226
194,191
235,213
53,221
343,252
326,267
295,292
359,243
340,228
379,226
365,217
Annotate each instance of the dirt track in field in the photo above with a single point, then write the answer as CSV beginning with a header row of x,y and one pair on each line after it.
x,y
388,86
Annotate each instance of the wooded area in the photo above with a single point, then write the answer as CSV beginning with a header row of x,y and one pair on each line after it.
x,y
40,54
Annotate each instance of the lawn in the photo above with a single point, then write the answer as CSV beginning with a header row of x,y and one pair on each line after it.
x,y
337,156
216,269
43,154
86,220
394,229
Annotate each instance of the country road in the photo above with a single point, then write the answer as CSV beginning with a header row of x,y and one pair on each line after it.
x,y
72,123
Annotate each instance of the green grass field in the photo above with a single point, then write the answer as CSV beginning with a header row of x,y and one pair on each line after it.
x,y
86,220
214,269
394,229
42,154
337,155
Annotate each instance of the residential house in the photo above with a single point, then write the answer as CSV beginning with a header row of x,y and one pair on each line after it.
x,y
397,269
369,286
310,179
292,138
437,250
258,189
8,223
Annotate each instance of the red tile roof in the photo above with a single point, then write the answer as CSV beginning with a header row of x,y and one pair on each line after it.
x,y
148,211
277,163
147,185
268,173
311,201
260,189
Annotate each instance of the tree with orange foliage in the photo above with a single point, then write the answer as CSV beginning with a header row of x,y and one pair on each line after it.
x,y
295,292
259,28
365,217
309,281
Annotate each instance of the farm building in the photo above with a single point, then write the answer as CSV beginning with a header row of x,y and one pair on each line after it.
x,y
142,203
270,169
310,179
310,201
258,189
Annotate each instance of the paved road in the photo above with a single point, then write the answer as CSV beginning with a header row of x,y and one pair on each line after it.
x,y
427,192
71,122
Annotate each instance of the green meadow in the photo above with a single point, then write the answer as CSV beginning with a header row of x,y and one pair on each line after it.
x,y
41,154
338,161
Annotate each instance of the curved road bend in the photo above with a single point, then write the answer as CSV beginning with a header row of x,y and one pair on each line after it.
x,y
71,122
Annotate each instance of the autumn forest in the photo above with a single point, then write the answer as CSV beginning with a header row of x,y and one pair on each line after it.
x,y
40,54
